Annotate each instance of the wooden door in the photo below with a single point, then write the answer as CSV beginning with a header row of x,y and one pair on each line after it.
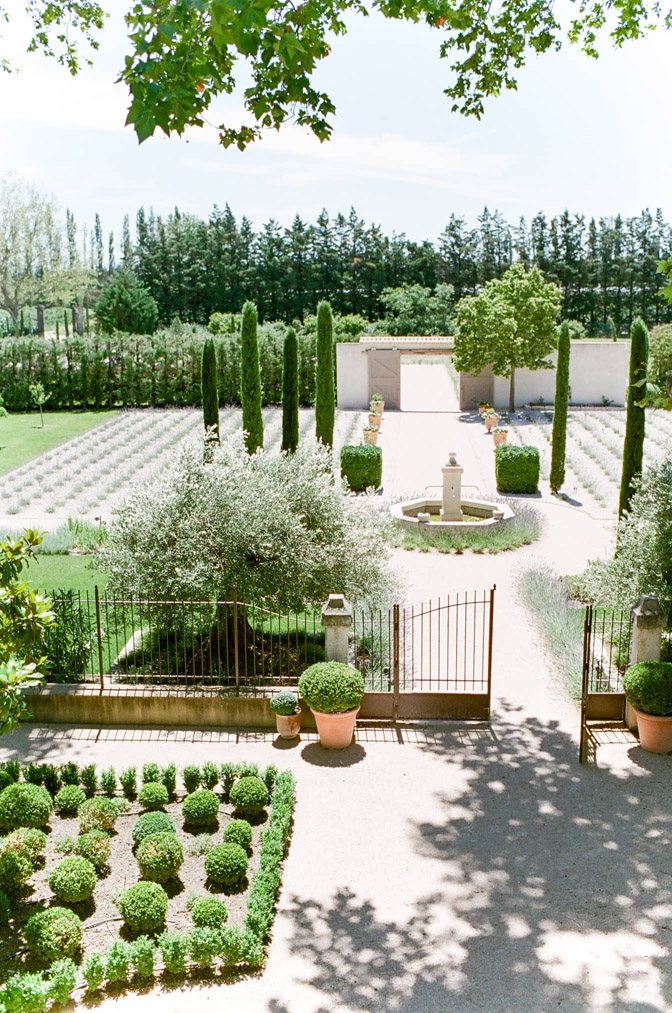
x,y
385,375
475,388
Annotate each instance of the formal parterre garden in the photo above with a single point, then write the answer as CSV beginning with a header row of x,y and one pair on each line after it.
x,y
110,878
90,474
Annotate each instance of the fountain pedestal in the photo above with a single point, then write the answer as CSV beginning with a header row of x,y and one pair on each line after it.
x,y
451,506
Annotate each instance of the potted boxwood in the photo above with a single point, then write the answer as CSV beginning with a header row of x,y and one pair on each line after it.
x,y
491,418
371,435
648,690
499,435
334,692
285,706
377,403
483,406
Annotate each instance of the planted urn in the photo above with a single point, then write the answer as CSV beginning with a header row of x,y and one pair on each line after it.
x,y
648,690
483,407
499,435
491,418
371,435
377,403
285,706
334,692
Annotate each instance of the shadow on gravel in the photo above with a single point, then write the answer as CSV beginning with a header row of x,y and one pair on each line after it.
x,y
320,757
553,891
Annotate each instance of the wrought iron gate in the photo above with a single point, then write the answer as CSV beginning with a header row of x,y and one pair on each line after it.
x,y
432,660
607,636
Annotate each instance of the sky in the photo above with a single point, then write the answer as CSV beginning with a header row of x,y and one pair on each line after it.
x,y
589,135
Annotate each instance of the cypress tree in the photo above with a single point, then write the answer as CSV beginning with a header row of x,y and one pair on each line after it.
x,y
612,329
325,406
250,380
209,394
290,392
635,419
560,410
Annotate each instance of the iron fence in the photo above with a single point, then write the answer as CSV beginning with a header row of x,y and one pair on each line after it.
x,y
444,645
607,640
135,640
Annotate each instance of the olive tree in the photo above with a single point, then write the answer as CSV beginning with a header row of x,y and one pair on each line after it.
x,y
511,324
276,527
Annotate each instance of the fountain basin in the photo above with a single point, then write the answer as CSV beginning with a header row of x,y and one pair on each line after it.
x,y
479,512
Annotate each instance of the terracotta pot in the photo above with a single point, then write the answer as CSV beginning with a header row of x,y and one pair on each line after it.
x,y
499,438
483,408
379,406
655,733
371,437
375,420
491,421
336,730
288,725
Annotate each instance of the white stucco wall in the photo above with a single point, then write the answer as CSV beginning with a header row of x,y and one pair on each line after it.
x,y
597,369
352,375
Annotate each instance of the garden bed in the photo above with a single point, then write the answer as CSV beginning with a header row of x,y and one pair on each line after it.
x,y
249,900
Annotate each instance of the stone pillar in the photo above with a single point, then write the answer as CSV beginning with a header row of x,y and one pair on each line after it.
x,y
40,319
648,621
336,621
451,509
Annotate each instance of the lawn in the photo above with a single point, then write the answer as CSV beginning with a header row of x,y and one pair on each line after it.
x,y
73,573
22,437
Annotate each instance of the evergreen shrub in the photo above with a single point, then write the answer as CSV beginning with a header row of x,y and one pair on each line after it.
x,y
517,469
648,687
226,864
53,933
153,796
238,832
61,980
330,687
200,807
160,856
191,776
73,879
15,870
284,703
249,795
95,847
93,971
28,841
25,805
143,906
69,799
209,913
151,823
362,467
98,814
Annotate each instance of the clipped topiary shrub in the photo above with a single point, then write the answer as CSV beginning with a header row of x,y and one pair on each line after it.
x,y
648,687
53,933
238,832
73,879
200,807
25,993
284,702
191,776
205,945
118,961
209,913
517,469
249,795
93,971
330,687
160,856
143,906
151,823
94,846
15,870
226,864
153,796
143,955
62,980
25,805
362,467
174,948
98,814
69,799
28,841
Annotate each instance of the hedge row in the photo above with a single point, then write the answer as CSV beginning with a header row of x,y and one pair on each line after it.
x,y
517,469
143,371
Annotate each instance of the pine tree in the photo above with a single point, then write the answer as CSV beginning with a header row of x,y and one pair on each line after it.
x,y
209,394
324,376
250,380
560,410
290,392
635,419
